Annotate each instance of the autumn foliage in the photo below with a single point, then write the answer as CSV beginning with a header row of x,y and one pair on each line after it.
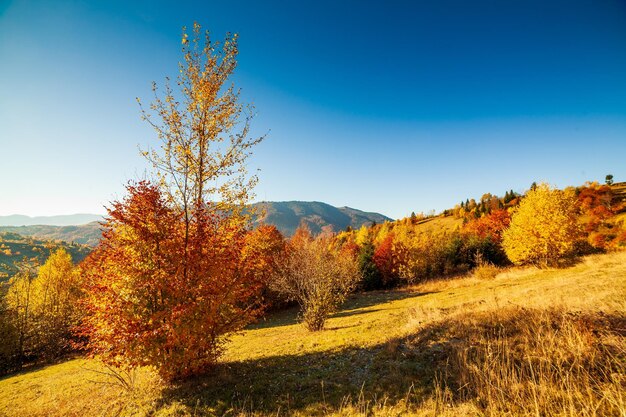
x,y
385,261
544,228
489,226
177,270
598,210
39,311
150,303
317,275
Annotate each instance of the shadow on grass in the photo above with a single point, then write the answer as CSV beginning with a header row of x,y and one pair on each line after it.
x,y
39,365
356,312
284,317
315,383
310,383
356,304
372,298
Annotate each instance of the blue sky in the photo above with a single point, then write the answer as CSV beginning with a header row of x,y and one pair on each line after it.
x,y
383,106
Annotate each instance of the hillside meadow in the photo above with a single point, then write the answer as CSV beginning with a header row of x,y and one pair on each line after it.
x,y
522,341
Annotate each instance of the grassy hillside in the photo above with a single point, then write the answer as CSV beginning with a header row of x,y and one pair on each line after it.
x,y
439,223
528,342
14,247
85,234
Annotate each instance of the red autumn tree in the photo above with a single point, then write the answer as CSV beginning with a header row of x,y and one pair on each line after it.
x,y
148,305
598,210
489,226
385,261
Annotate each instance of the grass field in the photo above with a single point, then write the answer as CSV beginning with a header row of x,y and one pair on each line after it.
x,y
527,342
439,223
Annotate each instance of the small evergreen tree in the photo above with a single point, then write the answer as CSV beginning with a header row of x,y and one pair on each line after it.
x,y
371,277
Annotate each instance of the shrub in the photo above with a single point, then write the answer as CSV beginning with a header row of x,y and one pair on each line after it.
x,y
317,276
485,270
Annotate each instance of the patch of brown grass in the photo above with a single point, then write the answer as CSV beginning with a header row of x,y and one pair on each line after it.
x,y
486,271
522,362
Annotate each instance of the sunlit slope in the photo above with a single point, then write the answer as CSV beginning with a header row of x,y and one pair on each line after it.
x,y
380,349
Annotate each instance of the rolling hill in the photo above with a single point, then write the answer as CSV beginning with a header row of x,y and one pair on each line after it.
x,y
63,220
14,248
85,234
286,216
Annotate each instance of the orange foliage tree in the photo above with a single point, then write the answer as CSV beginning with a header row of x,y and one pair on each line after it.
x,y
264,250
149,305
598,216
489,226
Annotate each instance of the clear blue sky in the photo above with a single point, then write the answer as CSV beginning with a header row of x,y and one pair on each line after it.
x,y
383,106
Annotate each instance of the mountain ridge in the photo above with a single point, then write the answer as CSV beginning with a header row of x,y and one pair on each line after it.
x,y
318,216
285,215
58,220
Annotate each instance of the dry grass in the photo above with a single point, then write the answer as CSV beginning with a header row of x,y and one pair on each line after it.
x,y
525,342
520,361
485,271
77,388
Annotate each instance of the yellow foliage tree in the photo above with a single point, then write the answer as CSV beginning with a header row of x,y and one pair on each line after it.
x,y
362,235
43,306
19,303
56,292
544,227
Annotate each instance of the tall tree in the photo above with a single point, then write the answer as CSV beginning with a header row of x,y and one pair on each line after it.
x,y
203,129
57,291
19,300
173,275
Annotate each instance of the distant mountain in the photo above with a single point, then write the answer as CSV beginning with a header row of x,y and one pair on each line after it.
x,y
85,234
285,215
64,220
288,215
